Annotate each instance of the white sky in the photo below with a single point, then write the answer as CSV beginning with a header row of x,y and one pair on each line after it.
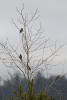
x,y
53,15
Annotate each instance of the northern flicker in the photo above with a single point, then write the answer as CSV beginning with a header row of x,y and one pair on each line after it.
x,y
20,56
21,30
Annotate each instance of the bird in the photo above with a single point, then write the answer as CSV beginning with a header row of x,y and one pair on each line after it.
x,y
20,56
57,77
28,68
21,30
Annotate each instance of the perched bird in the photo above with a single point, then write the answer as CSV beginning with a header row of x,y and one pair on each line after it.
x,y
21,30
20,56
57,77
28,68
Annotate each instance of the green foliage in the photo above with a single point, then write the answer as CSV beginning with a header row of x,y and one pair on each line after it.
x,y
31,94
44,96
19,94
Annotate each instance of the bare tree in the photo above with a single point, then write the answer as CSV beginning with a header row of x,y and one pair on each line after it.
x,y
36,52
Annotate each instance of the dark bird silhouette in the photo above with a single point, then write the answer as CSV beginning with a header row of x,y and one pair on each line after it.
x,y
20,56
28,68
57,77
21,30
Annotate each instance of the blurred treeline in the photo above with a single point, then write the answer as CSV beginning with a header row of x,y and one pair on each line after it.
x,y
57,90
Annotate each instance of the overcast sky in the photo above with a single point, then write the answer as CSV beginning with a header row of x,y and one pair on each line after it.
x,y
53,15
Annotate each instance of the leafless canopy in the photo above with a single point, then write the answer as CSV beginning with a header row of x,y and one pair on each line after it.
x,y
36,52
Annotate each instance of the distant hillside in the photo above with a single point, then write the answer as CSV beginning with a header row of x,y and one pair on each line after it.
x,y
58,89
